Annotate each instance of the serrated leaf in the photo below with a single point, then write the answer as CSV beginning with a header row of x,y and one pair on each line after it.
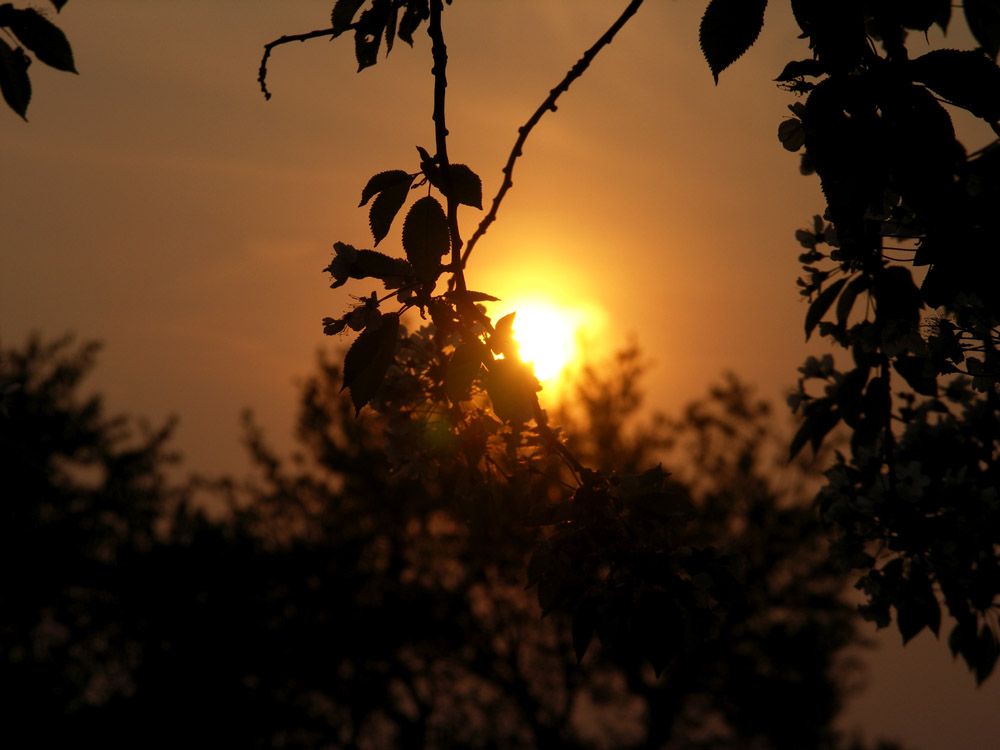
x,y
426,238
390,27
463,366
983,17
385,207
728,29
463,185
821,304
383,181
368,32
343,15
965,78
42,37
369,358
416,12
14,82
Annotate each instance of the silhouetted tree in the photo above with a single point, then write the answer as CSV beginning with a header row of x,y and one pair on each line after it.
x,y
338,603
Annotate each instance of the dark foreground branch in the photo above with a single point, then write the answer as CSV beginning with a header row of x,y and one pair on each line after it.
x,y
262,73
548,105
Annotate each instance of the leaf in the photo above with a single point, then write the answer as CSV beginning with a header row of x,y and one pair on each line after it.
x,y
58,4
511,386
343,15
42,37
919,374
967,79
383,181
846,301
416,11
983,17
464,295
426,238
463,185
791,134
386,205
800,69
821,304
14,82
368,31
368,360
728,29
372,264
390,27
463,366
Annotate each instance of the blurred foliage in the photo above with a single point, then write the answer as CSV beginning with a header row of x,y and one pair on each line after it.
x,y
338,603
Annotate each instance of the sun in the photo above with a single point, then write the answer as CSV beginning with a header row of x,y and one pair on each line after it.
x,y
547,337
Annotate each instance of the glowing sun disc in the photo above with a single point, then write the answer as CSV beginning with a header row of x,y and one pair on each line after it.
x,y
546,337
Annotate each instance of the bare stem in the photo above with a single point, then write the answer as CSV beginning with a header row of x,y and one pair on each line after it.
x,y
262,73
548,105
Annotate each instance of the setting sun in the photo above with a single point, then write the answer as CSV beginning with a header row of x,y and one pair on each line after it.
x,y
547,337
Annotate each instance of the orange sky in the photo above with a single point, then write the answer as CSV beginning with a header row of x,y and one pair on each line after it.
x,y
158,203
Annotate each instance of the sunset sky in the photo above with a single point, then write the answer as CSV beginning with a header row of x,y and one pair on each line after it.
x,y
158,203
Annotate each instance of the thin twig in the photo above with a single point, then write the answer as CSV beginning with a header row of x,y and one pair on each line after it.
x,y
262,73
549,104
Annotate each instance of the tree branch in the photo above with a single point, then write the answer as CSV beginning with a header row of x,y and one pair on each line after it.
x,y
439,53
262,73
549,104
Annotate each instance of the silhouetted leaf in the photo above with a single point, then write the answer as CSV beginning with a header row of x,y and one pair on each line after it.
x,y
846,301
343,15
791,134
728,29
983,17
967,79
511,386
416,11
463,185
369,358
393,189
390,27
801,68
372,264
14,83
467,295
463,366
368,31
836,31
42,37
919,373
426,238
821,304
59,4
383,181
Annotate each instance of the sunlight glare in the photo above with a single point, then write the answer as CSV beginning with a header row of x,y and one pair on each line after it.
x,y
547,337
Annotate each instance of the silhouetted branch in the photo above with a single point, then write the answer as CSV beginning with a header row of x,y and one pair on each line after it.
x,y
549,104
262,73
439,53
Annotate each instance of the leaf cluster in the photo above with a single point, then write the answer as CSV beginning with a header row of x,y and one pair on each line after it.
x,y
31,30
